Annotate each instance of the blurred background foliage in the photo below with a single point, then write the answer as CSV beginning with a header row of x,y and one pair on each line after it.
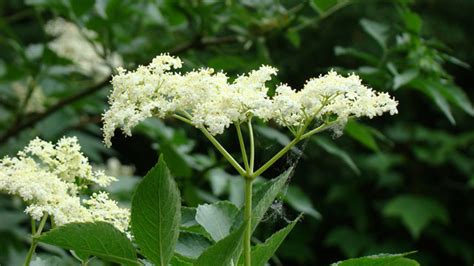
x,y
392,184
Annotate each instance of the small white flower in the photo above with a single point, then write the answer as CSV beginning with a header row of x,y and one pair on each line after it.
x,y
78,45
210,101
49,177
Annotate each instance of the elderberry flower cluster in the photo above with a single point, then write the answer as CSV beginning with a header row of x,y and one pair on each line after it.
x,y
78,45
49,178
209,100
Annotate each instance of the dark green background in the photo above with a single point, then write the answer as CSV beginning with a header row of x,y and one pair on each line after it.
x,y
416,166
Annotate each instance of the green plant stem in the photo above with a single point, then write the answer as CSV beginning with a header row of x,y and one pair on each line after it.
x,y
242,148
252,147
34,240
318,129
248,222
224,152
277,156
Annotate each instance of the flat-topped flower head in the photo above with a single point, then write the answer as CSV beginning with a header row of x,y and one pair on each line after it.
x,y
207,100
50,177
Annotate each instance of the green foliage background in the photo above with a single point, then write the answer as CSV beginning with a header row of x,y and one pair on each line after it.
x,y
392,184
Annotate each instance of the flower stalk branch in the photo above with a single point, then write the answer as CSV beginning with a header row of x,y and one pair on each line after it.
x,y
34,238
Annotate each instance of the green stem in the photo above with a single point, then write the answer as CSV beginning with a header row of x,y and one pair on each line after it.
x,y
242,148
248,221
184,119
277,156
318,129
34,240
224,152
252,147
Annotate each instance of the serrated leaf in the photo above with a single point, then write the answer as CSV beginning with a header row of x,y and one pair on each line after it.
x,y
416,212
191,245
224,251
296,198
376,30
98,239
362,133
156,214
336,151
379,260
263,252
217,218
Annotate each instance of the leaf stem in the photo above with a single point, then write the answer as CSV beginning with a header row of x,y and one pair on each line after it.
x,y
34,240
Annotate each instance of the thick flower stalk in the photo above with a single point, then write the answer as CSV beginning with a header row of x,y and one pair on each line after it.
x,y
49,178
211,102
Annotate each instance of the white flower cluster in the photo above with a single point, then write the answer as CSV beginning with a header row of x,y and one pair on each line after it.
x,y
49,178
78,45
210,101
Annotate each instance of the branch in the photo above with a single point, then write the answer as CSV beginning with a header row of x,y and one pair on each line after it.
x,y
34,119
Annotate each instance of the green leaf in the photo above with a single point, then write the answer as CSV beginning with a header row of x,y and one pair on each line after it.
x,y
219,180
429,88
457,96
273,134
362,133
329,147
348,240
376,30
98,239
224,251
322,6
176,261
294,37
80,7
416,212
404,78
156,214
412,21
364,56
45,260
263,252
296,198
379,260
191,245
264,197
175,159
217,218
